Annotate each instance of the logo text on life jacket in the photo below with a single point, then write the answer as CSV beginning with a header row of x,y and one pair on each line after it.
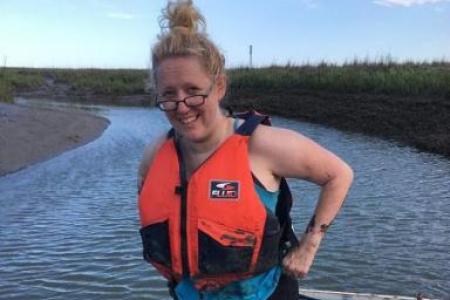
x,y
221,189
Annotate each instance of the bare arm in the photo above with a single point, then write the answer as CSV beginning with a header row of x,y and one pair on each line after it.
x,y
147,158
289,154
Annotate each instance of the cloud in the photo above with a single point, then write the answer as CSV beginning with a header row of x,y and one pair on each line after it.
x,y
406,3
310,3
120,15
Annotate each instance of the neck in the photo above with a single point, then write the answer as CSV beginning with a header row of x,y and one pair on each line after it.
x,y
222,129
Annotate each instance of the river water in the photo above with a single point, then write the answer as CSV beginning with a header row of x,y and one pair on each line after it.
x,y
69,226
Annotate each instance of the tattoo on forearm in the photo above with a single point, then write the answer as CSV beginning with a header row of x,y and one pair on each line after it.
x,y
312,224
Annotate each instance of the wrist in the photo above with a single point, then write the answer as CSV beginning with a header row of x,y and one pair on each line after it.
x,y
317,230
316,227
311,241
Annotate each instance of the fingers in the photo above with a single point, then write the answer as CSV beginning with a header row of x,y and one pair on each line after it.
x,y
295,271
301,274
297,264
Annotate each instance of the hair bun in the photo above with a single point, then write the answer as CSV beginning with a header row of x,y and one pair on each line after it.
x,y
183,33
182,16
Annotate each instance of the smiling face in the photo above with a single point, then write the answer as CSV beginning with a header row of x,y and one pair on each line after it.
x,y
183,76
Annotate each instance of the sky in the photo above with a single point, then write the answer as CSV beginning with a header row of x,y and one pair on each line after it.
x,y
119,33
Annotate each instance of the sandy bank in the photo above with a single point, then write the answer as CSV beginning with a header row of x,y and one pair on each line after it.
x,y
30,135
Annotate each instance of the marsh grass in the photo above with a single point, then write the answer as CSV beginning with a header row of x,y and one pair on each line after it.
x,y
102,82
13,79
25,79
77,82
381,77
6,92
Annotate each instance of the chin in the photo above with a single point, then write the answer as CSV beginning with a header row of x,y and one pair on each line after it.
x,y
195,137
191,134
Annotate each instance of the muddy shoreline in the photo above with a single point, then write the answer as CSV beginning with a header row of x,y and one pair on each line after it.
x,y
30,135
421,122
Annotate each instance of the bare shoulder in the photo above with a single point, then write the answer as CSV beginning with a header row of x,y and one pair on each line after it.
x,y
147,158
267,139
265,136
289,153
151,149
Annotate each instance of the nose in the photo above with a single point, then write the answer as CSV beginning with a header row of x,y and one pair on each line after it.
x,y
182,107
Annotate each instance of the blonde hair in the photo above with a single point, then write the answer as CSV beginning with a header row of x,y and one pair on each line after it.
x,y
183,33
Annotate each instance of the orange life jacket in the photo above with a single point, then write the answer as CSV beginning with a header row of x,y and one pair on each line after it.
x,y
212,228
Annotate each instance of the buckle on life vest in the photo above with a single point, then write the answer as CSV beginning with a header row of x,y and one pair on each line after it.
x,y
179,189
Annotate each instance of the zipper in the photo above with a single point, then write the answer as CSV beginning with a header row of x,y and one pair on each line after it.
x,y
182,190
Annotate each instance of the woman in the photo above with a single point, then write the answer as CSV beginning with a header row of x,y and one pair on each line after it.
x,y
213,200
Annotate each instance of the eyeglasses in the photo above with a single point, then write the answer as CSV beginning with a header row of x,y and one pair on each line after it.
x,y
190,101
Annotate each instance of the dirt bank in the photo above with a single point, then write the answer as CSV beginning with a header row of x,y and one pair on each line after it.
x,y
421,122
30,135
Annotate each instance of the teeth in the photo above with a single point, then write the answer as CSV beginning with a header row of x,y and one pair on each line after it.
x,y
188,120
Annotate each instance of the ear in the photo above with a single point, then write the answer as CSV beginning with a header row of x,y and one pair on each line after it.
x,y
221,86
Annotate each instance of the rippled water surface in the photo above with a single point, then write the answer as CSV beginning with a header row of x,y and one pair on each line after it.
x,y
69,226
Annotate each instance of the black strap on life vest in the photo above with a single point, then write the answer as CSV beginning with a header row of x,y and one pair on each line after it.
x,y
252,120
182,191
170,133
